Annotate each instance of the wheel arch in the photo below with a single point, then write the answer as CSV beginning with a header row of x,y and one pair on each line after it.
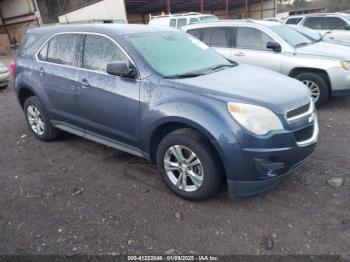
x,y
323,73
24,92
171,125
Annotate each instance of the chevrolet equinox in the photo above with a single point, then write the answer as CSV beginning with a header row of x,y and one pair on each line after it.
x,y
163,95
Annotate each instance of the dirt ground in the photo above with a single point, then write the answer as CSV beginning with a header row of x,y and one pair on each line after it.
x,y
74,196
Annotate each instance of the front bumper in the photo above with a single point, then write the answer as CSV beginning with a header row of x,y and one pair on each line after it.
x,y
284,162
260,168
340,81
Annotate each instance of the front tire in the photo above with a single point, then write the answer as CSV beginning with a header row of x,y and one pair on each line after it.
x,y
38,121
318,87
189,165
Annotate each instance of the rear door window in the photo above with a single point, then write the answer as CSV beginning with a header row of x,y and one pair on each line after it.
x,y
251,38
314,22
293,20
220,36
194,20
202,34
99,51
181,22
63,49
334,23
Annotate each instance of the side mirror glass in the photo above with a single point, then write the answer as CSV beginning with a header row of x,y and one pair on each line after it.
x,y
121,69
276,47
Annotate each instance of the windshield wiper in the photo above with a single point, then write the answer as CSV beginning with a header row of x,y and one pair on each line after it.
x,y
186,75
301,44
221,66
321,38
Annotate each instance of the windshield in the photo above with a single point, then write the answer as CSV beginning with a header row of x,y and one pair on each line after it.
x,y
176,53
311,34
347,17
291,36
208,18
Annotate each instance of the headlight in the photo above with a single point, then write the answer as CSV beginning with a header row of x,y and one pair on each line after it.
x,y
345,65
256,119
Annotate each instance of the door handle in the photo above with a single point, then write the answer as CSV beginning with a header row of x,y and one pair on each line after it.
x,y
84,83
41,71
239,54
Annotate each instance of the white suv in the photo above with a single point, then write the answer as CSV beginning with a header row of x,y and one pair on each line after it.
x,y
180,20
336,25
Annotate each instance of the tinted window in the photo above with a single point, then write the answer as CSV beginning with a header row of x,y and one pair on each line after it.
x,y
64,49
251,38
334,23
99,51
220,36
181,22
194,20
314,22
173,22
293,21
208,18
202,34
174,53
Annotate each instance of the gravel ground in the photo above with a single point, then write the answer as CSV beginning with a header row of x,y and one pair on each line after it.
x,y
74,196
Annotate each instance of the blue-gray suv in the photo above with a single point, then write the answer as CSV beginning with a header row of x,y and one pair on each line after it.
x,y
161,94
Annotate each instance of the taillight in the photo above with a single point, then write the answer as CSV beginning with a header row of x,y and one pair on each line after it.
x,y
12,69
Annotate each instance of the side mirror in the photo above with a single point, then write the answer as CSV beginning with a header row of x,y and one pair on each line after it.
x,y
276,47
347,27
121,69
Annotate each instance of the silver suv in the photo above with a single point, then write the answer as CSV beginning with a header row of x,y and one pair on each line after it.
x,y
336,25
323,67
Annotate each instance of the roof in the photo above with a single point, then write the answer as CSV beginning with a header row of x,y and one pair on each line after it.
x,y
320,14
233,22
118,29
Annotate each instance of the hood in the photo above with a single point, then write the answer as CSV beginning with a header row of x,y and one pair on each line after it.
x,y
326,49
250,84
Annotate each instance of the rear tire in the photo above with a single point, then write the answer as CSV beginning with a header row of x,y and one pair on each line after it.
x,y
38,121
318,87
202,174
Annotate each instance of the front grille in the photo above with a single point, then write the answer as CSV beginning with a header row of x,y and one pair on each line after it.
x,y
298,111
304,133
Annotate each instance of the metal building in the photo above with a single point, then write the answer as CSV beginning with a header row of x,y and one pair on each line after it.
x,y
16,16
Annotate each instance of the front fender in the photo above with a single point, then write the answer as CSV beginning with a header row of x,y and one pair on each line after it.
x,y
206,115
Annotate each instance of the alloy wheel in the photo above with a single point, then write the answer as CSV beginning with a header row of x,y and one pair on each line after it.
x,y
183,168
314,88
35,120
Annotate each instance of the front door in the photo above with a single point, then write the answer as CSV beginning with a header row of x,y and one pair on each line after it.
x,y
250,48
108,105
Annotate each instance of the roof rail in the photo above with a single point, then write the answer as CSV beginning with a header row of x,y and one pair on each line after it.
x,y
173,15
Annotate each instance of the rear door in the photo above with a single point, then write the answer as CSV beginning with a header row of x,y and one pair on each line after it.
x,y
108,105
57,62
337,25
220,38
250,48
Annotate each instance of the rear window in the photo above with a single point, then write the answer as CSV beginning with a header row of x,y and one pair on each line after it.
x,y
26,48
293,20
